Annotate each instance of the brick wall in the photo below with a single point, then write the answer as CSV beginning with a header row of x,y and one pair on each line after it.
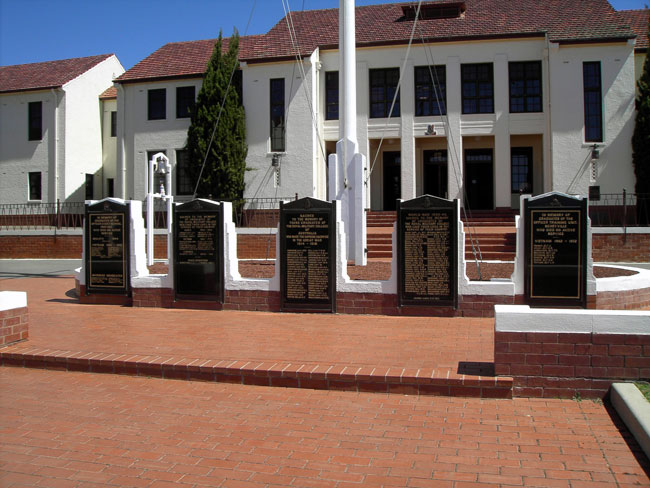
x,y
623,300
40,247
565,364
101,299
635,248
256,246
14,326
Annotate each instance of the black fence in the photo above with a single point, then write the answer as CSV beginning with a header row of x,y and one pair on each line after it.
x,y
620,210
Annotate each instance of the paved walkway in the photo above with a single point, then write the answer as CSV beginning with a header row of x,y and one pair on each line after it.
x,y
87,431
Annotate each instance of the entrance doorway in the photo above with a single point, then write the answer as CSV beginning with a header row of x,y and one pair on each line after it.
x,y
392,179
479,179
435,173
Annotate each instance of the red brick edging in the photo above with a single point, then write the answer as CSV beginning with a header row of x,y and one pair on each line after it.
x,y
14,326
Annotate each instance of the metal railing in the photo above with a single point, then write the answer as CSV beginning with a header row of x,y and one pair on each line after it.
x,y
59,215
261,212
620,210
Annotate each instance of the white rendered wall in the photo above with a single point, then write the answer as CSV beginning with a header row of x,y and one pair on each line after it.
x,y
109,148
83,128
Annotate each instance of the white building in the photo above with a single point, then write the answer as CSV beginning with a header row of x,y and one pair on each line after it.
x,y
496,97
50,129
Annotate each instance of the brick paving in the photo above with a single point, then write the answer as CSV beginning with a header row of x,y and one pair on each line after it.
x,y
67,429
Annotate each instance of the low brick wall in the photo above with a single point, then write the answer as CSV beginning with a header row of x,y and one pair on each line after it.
x,y
566,353
101,299
633,248
256,246
40,247
14,317
623,300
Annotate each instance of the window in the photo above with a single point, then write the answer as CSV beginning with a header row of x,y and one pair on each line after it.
x,y
89,187
157,107
478,88
277,115
35,186
184,101
430,91
521,169
35,121
110,187
332,95
593,102
156,177
184,184
525,86
383,85
113,124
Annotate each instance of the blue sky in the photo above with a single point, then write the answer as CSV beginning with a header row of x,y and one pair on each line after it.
x,y
43,30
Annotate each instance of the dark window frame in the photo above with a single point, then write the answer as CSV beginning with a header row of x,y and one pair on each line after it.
x,y
383,84
430,94
185,101
277,115
110,187
35,121
35,186
89,186
157,104
593,101
113,123
515,173
331,95
184,184
477,78
529,75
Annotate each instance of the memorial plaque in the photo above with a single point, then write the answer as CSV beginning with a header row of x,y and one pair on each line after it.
x,y
107,248
556,251
198,251
427,250
308,256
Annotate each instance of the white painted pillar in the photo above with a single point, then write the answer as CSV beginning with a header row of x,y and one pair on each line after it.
x,y
454,138
407,150
502,183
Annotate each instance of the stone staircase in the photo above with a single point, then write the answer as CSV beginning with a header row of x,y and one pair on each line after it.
x,y
493,232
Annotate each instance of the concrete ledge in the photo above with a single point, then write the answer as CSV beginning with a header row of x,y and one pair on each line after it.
x,y
634,410
12,299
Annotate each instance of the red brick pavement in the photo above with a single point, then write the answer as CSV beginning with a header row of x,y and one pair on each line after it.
x,y
426,351
88,431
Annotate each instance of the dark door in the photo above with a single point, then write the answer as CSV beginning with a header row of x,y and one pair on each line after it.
x,y
435,173
479,180
521,166
392,179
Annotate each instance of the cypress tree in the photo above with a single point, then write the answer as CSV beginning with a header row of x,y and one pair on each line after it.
x,y
641,144
222,177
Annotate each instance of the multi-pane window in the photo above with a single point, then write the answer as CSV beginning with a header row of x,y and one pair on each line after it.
x,y
477,88
90,186
525,86
35,186
332,95
113,124
184,101
383,86
183,179
277,115
430,90
35,121
593,102
521,166
157,104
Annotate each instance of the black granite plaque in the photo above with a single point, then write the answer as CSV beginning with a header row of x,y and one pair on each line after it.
x,y
198,251
308,256
556,251
107,248
427,252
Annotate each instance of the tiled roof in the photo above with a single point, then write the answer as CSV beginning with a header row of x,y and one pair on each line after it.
x,y
50,74
638,21
109,94
385,24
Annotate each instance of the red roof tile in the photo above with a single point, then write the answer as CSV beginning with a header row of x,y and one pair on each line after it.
x,y
638,21
109,94
385,24
50,74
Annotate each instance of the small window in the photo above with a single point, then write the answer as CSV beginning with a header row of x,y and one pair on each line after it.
x,y
157,104
430,91
35,186
184,101
278,142
383,86
110,187
521,169
332,95
113,124
90,186
593,102
525,86
35,121
477,88
184,184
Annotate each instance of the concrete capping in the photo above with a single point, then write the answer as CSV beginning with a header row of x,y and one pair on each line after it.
x,y
49,231
260,231
10,300
521,318
634,410
619,230
623,283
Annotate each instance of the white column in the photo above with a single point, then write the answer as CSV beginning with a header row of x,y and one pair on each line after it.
x,y
502,185
407,102
454,138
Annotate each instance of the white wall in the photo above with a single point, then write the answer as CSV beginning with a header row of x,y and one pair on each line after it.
x,y
109,148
